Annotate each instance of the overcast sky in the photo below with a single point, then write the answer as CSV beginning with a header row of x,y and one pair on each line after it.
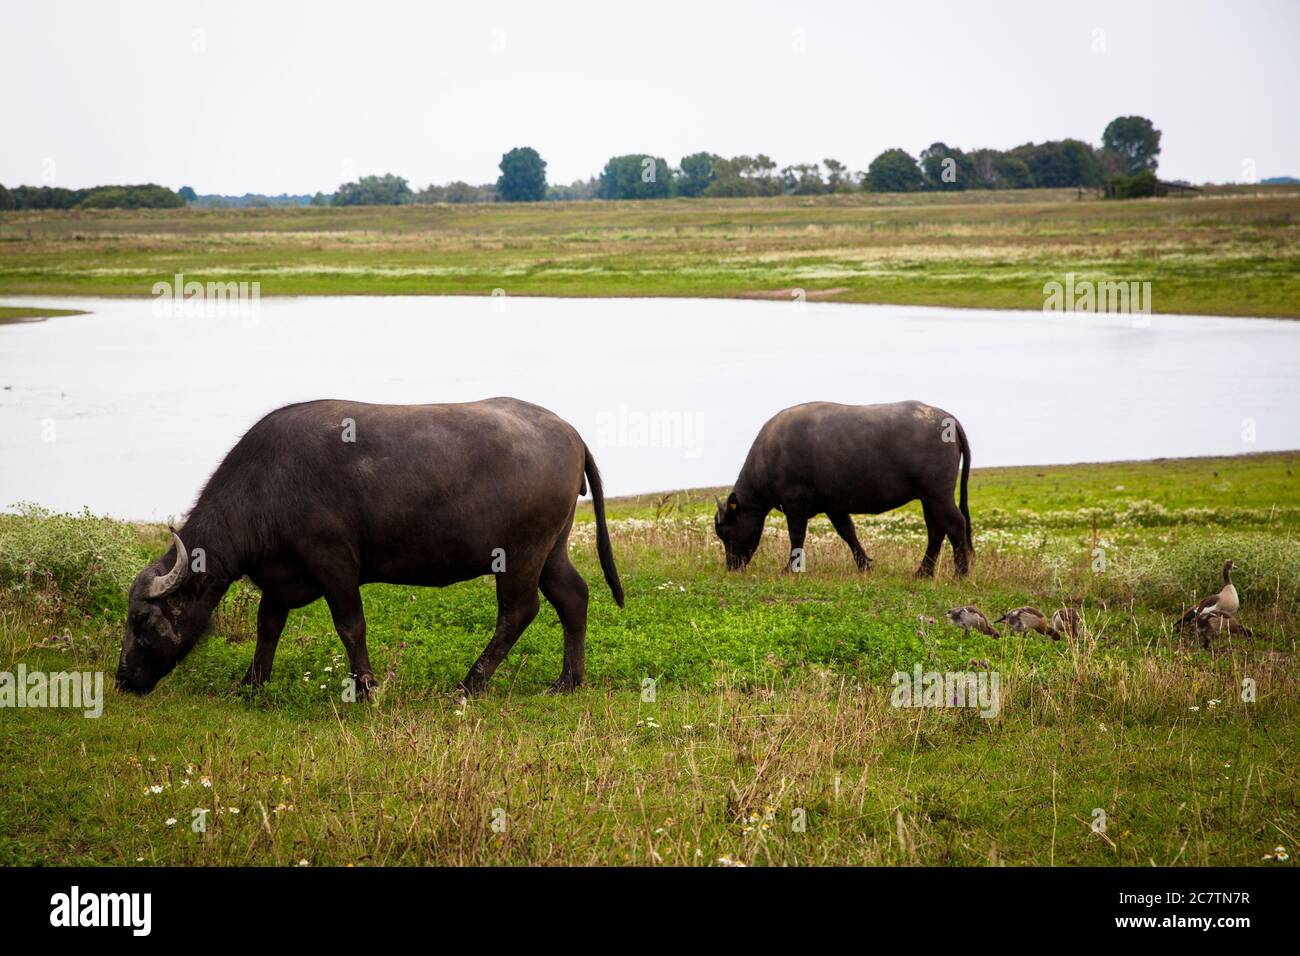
x,y
271,97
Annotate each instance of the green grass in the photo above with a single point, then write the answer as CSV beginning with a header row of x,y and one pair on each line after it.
x,y
14,313
1233,252
772,699
1267,483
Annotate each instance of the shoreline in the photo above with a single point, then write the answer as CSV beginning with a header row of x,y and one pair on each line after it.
x,y
813,297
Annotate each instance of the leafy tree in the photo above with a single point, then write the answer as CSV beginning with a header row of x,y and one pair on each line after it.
x,y
893,171
1012,172
838,177
44,197
1140,184
386,190
106,197
1058,163
697,172
745,176
732,177
148,196
1136,140
1112,163
6,198
187,193
635,176
764,171
523,176
803,179
947,167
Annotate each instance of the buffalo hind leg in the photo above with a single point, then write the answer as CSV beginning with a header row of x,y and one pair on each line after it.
x,y
950,522
517,605
957,535
934,529
798,524
567,591
271,617
844,527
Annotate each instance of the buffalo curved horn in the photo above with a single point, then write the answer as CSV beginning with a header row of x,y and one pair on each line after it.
x,y
166,583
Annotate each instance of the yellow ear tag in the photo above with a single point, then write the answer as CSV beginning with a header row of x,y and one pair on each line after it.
x,y
731,505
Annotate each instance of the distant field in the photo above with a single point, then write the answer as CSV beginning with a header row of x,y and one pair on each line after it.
x,y
1233,251
772,699
1268,481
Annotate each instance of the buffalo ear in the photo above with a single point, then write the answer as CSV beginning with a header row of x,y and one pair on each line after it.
x,y
727,512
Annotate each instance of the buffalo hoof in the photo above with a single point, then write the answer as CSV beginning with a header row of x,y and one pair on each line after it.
x,y
473,685
925,571
863,563
564,684
367,687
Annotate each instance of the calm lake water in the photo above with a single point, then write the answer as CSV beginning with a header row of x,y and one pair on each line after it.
x,y
127,412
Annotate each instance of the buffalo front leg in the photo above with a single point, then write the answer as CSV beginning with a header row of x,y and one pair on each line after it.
x,y
844,527
565,588
350,621
517,605
271,617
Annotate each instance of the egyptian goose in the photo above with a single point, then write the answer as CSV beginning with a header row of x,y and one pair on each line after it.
x,y
970,616
1022,620
1226,602
1067,620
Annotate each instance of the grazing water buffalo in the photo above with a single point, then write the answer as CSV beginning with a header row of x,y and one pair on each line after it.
x,y
845,460
322,497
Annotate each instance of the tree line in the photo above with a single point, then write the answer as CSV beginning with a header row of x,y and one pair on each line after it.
x,y
146,196
1124,164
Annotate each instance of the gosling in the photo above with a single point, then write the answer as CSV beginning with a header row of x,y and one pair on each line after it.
x,y
1022,620
970,616
1216,623
1067,620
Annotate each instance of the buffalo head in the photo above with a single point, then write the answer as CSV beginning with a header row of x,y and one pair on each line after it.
x,y
739,529
163,621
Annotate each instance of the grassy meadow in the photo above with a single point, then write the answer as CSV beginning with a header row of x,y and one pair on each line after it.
x,y
770,737
1231,251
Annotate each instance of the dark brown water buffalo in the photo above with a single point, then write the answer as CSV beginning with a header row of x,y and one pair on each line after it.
x,y
320,498
843,460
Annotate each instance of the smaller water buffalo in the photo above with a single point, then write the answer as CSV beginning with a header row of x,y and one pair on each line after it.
x,y
843,460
